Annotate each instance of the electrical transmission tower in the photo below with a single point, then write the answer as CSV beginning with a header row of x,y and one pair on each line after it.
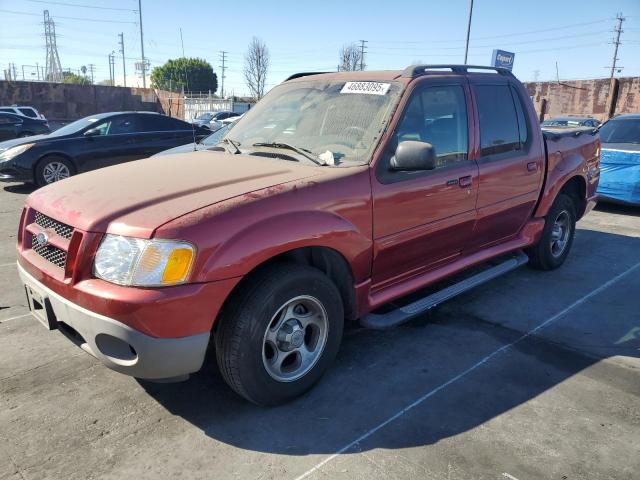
x,y
223,58
53,70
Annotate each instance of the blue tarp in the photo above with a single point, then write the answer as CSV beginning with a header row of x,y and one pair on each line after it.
x,y
620,175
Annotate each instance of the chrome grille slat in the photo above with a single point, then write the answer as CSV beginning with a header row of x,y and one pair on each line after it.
x,y
62,229
53,254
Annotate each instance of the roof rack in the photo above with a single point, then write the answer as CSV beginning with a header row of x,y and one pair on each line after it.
x,y
413,71
303,74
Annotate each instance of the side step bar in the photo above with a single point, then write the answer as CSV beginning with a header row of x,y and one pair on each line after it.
x,y
403,314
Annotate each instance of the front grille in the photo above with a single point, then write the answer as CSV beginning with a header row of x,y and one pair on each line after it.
x,y
53,254
62,229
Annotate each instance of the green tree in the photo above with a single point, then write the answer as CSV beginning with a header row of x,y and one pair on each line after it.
x,y
68,77
194,74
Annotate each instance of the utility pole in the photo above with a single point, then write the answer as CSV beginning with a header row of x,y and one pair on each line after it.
x,y
92,69
362,52
124,67
182,42
144,64
112,68
223,58
466,47
618,30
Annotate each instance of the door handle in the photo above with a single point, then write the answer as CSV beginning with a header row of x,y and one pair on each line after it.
x,y
532,166
465,182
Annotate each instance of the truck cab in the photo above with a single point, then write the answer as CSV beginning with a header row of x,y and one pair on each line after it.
x,y
335,195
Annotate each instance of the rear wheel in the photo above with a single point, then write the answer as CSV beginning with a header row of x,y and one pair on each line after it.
x,y
52,169
557,237
279,333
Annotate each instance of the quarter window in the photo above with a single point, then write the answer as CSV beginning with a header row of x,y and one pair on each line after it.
x,y
498,120
437,115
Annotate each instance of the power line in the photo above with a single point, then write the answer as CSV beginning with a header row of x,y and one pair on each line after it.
x,y
66,18
81,5
564,27
525,42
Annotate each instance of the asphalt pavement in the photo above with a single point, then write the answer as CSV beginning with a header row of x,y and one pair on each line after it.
x,y
535,375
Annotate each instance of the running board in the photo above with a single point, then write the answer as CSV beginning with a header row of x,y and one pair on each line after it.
x,y
403,314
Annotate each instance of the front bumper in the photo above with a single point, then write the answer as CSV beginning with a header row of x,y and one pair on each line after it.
x,y
117,345
10,172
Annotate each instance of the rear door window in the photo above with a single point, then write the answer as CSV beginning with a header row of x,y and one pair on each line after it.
x,y
28,112
499,131
159,123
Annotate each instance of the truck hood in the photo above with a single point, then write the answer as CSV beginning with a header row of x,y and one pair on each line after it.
x,y
136,198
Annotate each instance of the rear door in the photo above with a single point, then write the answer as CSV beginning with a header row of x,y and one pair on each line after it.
x,y
158,133
425,218
510,161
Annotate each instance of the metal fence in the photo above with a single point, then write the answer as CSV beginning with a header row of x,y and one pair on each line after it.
x,y
198,104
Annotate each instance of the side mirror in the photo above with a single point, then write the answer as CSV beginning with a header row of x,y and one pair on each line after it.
x,y
412,155
92,132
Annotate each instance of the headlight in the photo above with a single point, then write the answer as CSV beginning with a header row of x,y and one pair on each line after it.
x,y
15,151
144,263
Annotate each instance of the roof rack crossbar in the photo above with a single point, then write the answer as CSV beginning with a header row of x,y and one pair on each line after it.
x,y
413,71
303,74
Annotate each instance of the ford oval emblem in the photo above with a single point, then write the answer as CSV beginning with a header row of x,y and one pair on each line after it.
x,y
41,239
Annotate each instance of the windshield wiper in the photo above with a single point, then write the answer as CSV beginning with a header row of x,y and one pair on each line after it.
x,y
302,151
234,143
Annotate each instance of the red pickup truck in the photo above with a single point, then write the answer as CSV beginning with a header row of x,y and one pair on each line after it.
x,y
335,195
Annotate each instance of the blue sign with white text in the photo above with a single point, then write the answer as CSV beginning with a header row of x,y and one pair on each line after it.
x,y
503,59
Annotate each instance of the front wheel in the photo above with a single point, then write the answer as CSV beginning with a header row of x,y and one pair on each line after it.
x,y
52,169
557,237
279,333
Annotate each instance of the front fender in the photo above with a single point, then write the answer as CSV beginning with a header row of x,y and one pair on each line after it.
x,y
246,249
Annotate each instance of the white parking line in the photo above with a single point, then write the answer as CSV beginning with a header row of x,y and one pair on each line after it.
x,y
442,386
15,318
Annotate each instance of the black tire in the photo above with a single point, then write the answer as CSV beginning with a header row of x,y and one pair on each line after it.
x,y
48,161
546,254
240,339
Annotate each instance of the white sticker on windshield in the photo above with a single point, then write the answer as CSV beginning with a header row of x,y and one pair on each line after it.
x,y
370,88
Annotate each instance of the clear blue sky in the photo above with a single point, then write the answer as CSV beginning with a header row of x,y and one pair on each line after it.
x,y
306,36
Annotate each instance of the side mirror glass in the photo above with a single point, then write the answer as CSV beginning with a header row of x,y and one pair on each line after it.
x,y
412,155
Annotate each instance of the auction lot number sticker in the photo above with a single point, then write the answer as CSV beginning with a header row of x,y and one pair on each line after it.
x,y
370,88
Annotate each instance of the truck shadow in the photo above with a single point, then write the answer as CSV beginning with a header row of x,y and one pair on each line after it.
x,y
452,359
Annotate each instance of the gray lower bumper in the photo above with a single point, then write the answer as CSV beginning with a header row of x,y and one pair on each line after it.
x,y
117,345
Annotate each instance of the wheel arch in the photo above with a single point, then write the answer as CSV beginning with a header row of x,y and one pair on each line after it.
x,y
328,260
44,156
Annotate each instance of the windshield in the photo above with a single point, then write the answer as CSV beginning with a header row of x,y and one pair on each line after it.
x,y
216,136
342,118
205,116
561,123
75,127
621,131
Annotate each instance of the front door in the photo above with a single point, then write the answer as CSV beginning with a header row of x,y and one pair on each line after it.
x,y
424,218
